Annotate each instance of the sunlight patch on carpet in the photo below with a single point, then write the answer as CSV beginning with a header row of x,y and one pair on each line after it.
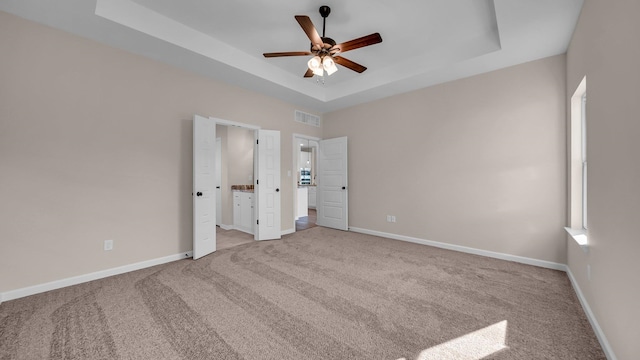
x,y
472,346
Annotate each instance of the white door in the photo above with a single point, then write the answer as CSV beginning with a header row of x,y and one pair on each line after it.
x,y
204,195
218,181
268,185
332,186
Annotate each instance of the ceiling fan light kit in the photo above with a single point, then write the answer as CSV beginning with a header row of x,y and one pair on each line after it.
x,y
318,65
315,65
325,50
329,65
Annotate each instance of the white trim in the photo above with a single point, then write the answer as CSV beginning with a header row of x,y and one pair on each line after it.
x,y
231,227
234,123
580,237
606,347
465,249
58,284
226,227
576,179
238,228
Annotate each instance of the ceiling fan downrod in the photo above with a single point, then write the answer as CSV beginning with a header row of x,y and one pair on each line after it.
x,y
324,12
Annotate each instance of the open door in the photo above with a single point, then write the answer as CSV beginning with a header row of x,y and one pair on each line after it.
x,y
204,194
332,187
268,185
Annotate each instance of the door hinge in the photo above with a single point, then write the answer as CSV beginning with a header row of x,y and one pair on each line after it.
x,y
257,181
257,142
257,222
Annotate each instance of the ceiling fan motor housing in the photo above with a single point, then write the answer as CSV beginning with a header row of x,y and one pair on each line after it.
x,y
328,44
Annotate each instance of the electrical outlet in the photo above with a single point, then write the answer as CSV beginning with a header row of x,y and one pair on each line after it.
x,y
393,218
108,245
589,272
388,218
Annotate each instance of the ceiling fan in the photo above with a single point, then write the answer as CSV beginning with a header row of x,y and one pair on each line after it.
x,y
325,50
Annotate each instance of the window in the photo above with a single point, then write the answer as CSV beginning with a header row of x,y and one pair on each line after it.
x,y
578,166
583,135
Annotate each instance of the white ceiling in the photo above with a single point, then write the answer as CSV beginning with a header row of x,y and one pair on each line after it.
x,y
425,42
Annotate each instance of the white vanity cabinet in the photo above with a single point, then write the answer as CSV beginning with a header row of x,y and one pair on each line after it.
x,y
243,211
303,209
312,197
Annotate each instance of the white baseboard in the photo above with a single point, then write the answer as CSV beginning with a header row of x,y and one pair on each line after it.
x,y
606,347
53,285
465,249
231,227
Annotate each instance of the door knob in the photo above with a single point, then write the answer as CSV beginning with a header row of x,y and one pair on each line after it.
x,y
277,190
344,188
199,193
217,187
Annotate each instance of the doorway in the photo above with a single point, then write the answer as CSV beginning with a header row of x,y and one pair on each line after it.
x,y
320,179
235,164
259,202
305,149
234,189
263,204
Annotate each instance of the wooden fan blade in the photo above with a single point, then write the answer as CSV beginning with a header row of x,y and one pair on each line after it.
x,y
310,30
357,43
289,53
309,73
349,64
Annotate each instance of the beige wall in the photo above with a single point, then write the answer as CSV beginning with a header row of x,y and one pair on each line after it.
x,y
605,49
95,144
240,153
478,162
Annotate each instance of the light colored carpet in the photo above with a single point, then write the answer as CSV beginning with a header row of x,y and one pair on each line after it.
x,y
316,294
230,238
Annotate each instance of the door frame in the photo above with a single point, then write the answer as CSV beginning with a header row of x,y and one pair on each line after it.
x,y
294,166
234,123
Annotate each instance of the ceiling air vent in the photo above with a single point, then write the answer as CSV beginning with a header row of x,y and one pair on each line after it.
x,y
308,119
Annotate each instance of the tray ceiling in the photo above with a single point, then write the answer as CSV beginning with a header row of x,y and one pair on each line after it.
x,y
424,42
